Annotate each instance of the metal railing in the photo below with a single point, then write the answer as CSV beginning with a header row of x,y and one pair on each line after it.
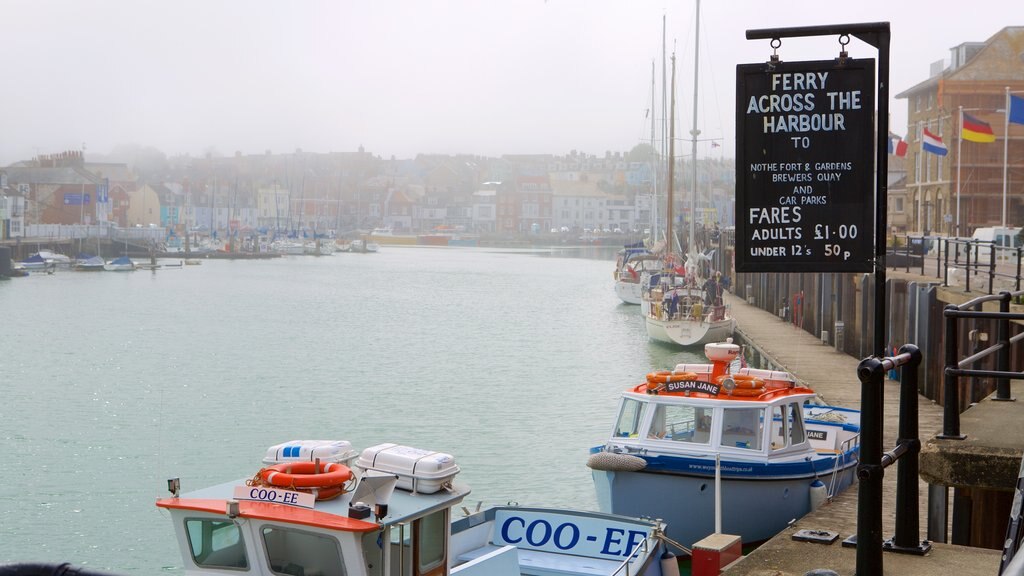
x,y
955,369
871,372
972,257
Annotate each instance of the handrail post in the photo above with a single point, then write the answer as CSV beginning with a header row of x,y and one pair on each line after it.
x,y
945,266
906,254
950,392
943,248
967,266
1003,355
1017,287
991,267
869,471
924,254
907,468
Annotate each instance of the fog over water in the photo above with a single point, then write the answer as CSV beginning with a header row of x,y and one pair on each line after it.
x,y
400,77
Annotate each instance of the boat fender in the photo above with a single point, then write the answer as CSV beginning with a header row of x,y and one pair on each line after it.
x,y
612,462
669,564
818,494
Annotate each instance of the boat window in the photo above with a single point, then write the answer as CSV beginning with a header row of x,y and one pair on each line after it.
x,y
742,428
780,436
430,540
299,553
628,424
796,424
682,423
216,544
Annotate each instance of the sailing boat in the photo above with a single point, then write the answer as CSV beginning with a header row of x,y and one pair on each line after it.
x,y
684,307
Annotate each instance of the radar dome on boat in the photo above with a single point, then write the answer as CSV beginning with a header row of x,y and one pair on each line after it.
x,y
722,351
339,451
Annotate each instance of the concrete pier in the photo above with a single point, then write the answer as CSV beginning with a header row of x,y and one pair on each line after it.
x,y
834,376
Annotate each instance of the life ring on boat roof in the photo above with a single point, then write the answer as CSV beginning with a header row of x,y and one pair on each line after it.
x,y
298,475
743,384
666,376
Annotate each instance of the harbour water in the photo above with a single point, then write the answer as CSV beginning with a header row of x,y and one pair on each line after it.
x,y
114,382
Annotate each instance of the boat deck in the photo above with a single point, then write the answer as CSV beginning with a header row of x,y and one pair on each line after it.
x,y
834,376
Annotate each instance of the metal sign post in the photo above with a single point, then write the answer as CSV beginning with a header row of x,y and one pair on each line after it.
x,y
869,518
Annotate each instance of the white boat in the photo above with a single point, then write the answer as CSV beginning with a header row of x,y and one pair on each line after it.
x,y
56,258
687,311
777,452
121,264
633,267
36,263
363,246
317,508
288,247
88,263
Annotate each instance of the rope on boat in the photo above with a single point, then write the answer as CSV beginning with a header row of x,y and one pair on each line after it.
x,y
662,536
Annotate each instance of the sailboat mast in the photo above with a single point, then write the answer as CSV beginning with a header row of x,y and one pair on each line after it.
x,y
654,159
694,132
670,238
664,106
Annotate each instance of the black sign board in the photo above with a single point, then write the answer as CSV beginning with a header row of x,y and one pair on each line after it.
x,y
805,166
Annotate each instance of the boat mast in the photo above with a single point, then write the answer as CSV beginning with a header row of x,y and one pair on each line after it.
x,y
664,115
694,132
671,159
654,161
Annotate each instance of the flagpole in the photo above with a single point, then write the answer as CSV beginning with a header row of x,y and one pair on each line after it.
x,y
959,183
1006,140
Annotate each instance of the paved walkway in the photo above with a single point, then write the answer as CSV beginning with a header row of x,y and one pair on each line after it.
x,y
833,375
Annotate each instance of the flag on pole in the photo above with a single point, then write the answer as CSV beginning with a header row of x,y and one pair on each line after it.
x,y
932,143
1016,109
974,130
897,145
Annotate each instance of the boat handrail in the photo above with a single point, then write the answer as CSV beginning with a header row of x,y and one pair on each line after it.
x,y
642,547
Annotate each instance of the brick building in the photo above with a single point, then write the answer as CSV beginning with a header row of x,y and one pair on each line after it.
x,y
967,185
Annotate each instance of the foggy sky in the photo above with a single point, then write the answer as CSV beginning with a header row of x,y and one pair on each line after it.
x,y
401,77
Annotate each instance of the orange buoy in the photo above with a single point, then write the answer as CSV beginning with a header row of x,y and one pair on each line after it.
x,y
306,475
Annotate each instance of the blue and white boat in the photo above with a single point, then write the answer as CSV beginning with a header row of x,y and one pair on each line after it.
x,y
37,263
777,453
88,263
318,508
120,264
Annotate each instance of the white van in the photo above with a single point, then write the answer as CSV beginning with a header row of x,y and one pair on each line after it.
x,y
1007,238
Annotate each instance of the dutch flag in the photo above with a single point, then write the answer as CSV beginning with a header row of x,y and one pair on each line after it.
x,y
932,143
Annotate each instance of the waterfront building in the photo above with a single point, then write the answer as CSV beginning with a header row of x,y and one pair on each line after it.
x,y
967,184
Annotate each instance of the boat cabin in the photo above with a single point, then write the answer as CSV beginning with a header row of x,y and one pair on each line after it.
x,y
784,420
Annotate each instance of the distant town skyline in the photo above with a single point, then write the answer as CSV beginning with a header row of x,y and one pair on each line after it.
x,y
400,77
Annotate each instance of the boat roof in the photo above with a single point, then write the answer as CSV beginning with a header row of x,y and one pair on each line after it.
x,y
769,396
333,514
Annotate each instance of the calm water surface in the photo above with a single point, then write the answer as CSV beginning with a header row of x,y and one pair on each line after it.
x,y
114,382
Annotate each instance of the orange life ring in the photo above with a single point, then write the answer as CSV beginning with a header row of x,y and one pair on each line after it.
x,y
665,376
306,475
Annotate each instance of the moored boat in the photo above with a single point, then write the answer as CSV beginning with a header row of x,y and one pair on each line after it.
x,y
633,268
88,263
319,508
120,264
777,451
35,263
686,310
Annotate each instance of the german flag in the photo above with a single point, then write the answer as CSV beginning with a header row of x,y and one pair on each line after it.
x,y
975,130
